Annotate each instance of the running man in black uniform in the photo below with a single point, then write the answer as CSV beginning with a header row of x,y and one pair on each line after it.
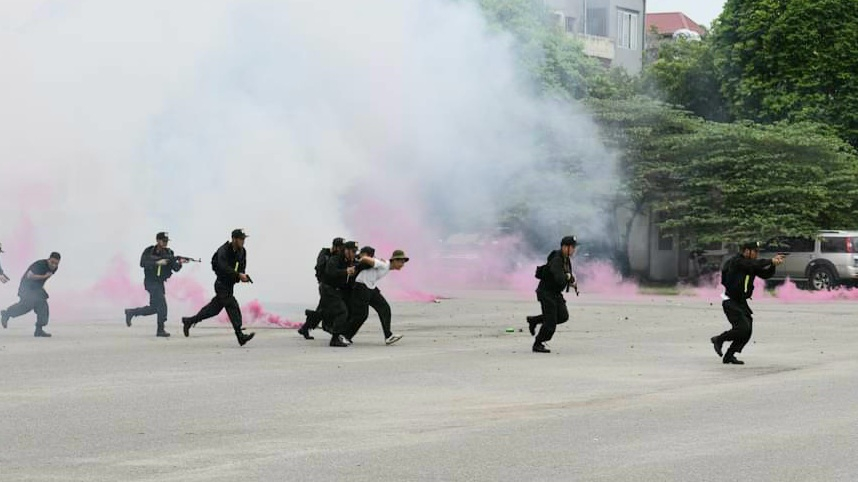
x,y
33,295
229,263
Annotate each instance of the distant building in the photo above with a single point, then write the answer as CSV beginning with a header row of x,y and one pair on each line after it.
x,y
611,30
668,27
672,25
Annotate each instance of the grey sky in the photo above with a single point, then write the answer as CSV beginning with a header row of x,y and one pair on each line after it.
x,y
701,11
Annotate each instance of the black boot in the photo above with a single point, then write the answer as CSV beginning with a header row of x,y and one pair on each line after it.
x,y
531,325
337,340
161,331
242,338
730,359
128,317
717,343
540,348
305,332
40,333
187,323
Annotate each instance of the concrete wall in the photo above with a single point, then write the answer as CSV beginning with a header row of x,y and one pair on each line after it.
x,y
631,60
639,246
645,257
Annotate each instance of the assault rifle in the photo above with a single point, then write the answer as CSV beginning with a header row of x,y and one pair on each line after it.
x,y
186,259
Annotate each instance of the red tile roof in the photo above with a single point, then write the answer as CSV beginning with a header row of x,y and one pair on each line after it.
x,y
668,23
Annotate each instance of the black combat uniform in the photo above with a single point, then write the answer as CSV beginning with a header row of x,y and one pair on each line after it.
x,y
737,277
314,317
33,297
336,289
549,293
154,277
227,264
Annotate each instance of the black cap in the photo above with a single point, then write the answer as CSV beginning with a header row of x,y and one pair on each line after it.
x,y
368,250
569,241
238,234
162,236
338,242
752,245
350,245
55,256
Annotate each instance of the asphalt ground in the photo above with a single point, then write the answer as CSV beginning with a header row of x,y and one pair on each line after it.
x,y
631,392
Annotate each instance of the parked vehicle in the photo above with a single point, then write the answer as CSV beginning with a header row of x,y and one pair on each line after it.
x,y
821,263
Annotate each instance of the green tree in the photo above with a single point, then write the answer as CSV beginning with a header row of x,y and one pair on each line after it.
x,y
790,60
728,182
743,181
644,133
555,61
684,74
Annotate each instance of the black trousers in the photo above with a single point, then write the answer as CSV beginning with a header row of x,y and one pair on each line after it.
x,y
740,316
335,309
362,299
223,300
28,304
314,318
554,312
157,303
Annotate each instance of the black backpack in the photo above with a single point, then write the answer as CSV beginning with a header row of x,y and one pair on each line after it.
x,y
542,271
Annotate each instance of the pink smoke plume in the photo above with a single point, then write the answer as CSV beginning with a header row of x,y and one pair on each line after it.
x,y
116,285
438,267
18,249
789,293
255,313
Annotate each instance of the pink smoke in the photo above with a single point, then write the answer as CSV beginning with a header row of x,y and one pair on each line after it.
x,y
254,313
789,293
438,268
116,285
18,249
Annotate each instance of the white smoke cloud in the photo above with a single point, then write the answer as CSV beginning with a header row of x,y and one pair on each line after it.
x,y
121,119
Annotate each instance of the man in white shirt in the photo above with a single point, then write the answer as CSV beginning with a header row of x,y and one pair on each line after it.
x,y
366,293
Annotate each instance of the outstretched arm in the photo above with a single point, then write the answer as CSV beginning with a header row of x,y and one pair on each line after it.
x,y
37,277
761,268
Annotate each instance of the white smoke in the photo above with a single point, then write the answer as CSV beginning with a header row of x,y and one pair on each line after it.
x,y
290,118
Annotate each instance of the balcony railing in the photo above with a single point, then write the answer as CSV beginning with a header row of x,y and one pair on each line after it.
x,y
600,47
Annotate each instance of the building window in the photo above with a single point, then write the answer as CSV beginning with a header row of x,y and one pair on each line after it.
x,y
597,22
627,29
665,238
570,24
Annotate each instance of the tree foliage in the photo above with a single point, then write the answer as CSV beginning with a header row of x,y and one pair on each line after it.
x,y
555,60
785,66
728,182
684,74
790,60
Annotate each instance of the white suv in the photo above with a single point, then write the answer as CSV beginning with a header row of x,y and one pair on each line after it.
x,y
820,264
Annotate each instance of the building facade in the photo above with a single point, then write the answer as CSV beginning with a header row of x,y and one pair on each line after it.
x,y
611,30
